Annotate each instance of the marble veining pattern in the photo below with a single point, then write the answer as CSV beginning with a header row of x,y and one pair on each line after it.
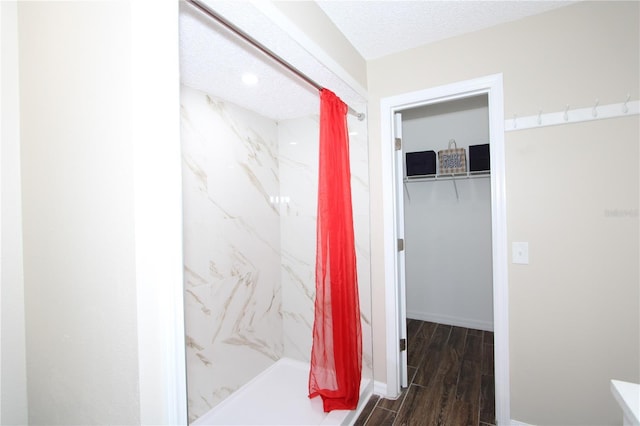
x,y
231,247
250,188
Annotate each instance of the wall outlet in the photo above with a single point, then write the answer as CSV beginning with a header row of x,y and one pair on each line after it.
x,y
520,253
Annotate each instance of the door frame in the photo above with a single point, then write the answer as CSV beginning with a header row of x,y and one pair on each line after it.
x,y
401,281
491,85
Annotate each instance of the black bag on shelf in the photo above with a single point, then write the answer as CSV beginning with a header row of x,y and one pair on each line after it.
x,y
479,160
421,163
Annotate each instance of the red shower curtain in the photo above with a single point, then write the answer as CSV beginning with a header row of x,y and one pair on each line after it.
x,y
336,356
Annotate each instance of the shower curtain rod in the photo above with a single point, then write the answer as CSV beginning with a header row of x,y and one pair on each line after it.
x,y
204,9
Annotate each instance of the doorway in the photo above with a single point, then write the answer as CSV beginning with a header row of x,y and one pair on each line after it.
x,y
447,218
395,289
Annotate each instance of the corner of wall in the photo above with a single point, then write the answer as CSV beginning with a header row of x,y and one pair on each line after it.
x,y
323,39
13,386
156,128
380,388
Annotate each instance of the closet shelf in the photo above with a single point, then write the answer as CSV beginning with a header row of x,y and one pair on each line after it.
x,y
468,175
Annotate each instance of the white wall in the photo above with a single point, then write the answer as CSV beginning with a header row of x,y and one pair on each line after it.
x,y
573,290
447,237
155,139
101,212
13,386
77,171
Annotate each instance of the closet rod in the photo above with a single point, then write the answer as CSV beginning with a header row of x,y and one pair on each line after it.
x,y
255,43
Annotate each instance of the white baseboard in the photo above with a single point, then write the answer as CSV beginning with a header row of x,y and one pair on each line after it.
x,y
517,423
379,388
451,320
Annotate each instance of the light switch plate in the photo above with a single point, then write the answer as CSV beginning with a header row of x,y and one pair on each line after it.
x,y
520,253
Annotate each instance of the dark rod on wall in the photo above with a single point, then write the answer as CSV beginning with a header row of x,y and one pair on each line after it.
x,y
246,37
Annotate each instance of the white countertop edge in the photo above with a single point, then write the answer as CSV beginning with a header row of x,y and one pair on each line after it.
x,y
628,396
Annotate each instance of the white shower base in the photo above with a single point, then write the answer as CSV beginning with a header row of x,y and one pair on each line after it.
x,y
278,396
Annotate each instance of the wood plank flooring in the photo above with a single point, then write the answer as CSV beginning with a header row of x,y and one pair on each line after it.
x,y
450,380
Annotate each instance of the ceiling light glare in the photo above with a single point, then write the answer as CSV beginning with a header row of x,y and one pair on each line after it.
x,y
249,79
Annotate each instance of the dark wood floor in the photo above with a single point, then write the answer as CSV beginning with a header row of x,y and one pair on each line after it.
x,y
450,380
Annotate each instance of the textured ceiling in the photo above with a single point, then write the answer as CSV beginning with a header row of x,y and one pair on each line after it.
x,y
213,60
380,28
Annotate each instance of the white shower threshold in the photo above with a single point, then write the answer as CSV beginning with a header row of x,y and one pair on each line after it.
x,y
278,396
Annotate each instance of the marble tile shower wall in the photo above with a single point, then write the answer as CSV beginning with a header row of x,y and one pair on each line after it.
x,y
249,189
231,247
